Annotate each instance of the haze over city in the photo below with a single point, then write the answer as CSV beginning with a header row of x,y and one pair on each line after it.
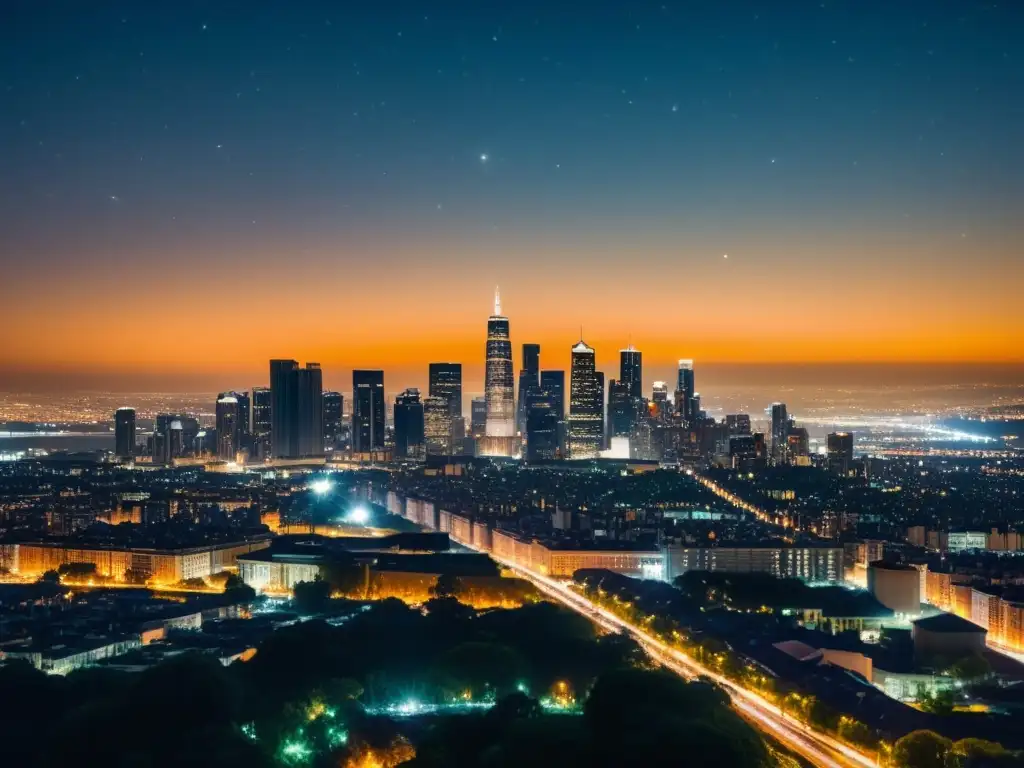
x,y
188,194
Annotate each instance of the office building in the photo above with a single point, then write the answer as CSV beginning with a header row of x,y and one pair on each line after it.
x,y
631,371
599,375
261,421
659,400
529,382
296,410
478,417
621,409
499,388
368,411
798,446
553,383
840,452
810,564
586,409
779,433
282,406
124,433
409,425
737,424
228,427
446,382
437,426
334,406
685,392
309,410
542,427
498,380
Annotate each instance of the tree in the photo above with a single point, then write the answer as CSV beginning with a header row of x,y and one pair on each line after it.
x,y
921,749
50,577
970,752
311,596
477,667
193,583
448,585
77,571
970,667
941,703
132,576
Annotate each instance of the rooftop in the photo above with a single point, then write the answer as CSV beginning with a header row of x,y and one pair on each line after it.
x,y
948,622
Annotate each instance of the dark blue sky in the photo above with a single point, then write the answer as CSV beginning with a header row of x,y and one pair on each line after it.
x,y
815,139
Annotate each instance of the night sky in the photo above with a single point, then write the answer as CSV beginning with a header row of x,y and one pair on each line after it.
x,y
197,187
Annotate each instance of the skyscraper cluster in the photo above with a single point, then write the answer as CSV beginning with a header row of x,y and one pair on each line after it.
x,y
543,419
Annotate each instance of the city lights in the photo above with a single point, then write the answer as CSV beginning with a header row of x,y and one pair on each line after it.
x,y
359,516
321,487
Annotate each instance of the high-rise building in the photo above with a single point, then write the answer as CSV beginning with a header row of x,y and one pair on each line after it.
x,y
659,399
798,445
368,411
553,382
779,433
309,410
124,433
586,408
542,426
498,380
296,409
334,406
631,371
228,427
738,423
621,409
282,406
529,382
261,421
599,375
244,419
437,426
840,451
685,392
499,389
409,425
478,417
446,382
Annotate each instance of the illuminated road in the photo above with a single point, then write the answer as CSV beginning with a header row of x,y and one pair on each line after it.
x,y
819,749
732,498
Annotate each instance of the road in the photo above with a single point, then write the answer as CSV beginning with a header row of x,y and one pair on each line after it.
x,y
818,749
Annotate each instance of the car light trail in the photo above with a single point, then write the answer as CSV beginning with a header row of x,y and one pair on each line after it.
x,y
818,748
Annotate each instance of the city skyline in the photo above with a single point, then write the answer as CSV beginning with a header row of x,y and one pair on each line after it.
x,y
762,186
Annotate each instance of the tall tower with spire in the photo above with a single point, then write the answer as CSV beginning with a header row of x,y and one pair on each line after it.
x,y
499,386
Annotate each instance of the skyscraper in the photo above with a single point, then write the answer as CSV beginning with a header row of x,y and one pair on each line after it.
x,y
586,412
296,409
282,406
631,371
779,433
621,409
685,392
334,405
542,420
553,382
446,382
659,398
437,426
840,452
124,433
368,411
227,426
738,423
261,421
478,417
409,425
599,375
529,382
499,387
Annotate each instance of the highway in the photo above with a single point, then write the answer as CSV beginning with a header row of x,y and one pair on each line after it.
x,y
817,748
